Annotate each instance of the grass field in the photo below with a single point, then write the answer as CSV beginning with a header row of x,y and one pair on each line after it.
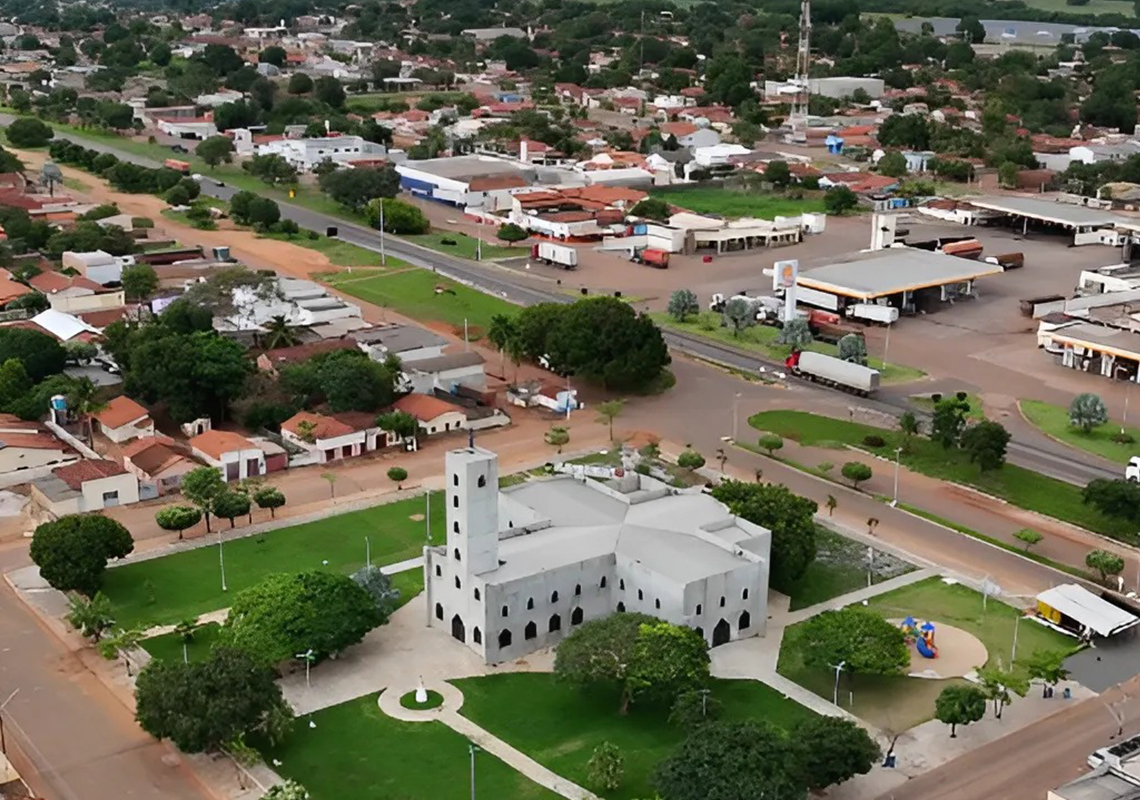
x,y
468,246
341,254
183,585
840,566
559,726
1054,421
411,292
356,751
1020,486
762,339
728,202
898,702
369,102
169,646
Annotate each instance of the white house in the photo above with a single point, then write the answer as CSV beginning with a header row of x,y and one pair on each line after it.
x,y
123,419
434,415
235,456
98,266
523,566
718,154
64,327
75,294
28,450
447,373
305,154
335,437
1096,153
89,485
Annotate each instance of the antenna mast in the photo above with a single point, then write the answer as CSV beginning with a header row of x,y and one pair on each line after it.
x,y
803,66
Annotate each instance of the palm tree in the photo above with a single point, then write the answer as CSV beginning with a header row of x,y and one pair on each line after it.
x,y
608,410
517,354
84,401
500,333
279,334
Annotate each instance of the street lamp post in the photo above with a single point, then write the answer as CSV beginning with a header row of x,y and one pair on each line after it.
x,y
473,749
895,499
221,559
835,693
308,657
735,416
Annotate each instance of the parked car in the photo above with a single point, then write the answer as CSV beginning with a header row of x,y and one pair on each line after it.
x,y
1132,471
177,148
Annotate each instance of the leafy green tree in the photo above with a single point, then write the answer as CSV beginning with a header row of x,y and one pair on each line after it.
x,y
631,652
1028,537
948,421
399,423
1116,498
91,616
350,381
1105,563
739,313
682,303
270,168
269,497
986,444
300,83
41,355
289,614
140,281
201,706
121,643
853,348
796,334
397,475
1007,175
730,761
1087,411
778,173
999,687
201,486
85,402
178,518
864,641
290,789
834,750
29,132
231,504
500,333
839,200
770,442
959,705
399,217
215,150
72,551
557,436
856,472
356,188
1047,666
379,587
790,518
511,233
608,411
14,382
691,460
329,91
606,767
910,427
694,707
971,29
893,164
274,55
653,208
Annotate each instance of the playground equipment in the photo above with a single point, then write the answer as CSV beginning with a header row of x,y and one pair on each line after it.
x,y
921,635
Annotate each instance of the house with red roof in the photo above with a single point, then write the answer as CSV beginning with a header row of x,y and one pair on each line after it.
x,y
29,450
235,456
123,419
158,462
88,485
434,415
334,437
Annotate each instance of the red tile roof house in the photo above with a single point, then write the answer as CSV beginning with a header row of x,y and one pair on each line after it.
x,y
433,414
85,486
28,451
158,462
330,438
235,456
123,419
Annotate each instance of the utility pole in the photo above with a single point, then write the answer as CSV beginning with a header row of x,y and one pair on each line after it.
x,y
835,693
803,67
735,415
895,499
383,256
221,559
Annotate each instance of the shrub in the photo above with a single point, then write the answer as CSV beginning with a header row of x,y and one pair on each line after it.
x,y
397,475
874,440
856,472
1121,437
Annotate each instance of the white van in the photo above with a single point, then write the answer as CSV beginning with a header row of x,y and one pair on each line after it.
x,y
1132,471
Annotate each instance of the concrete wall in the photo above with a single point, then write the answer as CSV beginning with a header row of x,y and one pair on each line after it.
x,y
449,421
124,487
124,433
88,301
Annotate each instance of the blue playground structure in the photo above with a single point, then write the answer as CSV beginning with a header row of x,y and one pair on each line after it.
x,y
921,635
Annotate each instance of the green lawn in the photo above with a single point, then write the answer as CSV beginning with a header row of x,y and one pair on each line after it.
x,y
183,585
899,702
370,102
729,202
840,567
762,339
976,412
169,646
559,726
341,254
1054,421
468,246
411,292
1020,486
356,751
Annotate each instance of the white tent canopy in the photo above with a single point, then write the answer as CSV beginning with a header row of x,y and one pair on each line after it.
x,y
1086,608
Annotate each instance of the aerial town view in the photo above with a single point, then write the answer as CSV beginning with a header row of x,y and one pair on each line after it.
x,y
584,399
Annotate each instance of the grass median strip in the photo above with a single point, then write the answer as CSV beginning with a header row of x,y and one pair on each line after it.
x,y
1054,421
1017,485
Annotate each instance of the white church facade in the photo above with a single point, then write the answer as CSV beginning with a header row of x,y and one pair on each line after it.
x,y
525,565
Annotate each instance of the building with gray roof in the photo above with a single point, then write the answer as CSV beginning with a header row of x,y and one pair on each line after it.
x,y
901,271
524,565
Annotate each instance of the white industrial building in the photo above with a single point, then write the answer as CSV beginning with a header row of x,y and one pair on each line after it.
x,y
838,87
464,181
525,565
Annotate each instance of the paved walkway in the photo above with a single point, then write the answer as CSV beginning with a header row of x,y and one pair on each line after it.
x,y
857,596
449,715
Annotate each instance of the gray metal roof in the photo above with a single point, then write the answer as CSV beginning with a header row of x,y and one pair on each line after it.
x,y
893,271
400,338
1047,210
1101,337
464,168
445,362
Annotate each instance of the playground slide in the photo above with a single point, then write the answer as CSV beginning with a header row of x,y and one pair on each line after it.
x,y
925,650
